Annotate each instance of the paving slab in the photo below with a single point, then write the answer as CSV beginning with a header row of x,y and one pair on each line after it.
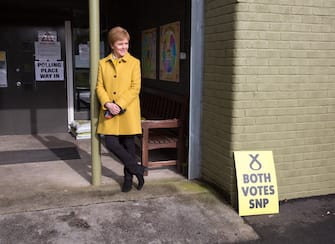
x,y
46,197
163,212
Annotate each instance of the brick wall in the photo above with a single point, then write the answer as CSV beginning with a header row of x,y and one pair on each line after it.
x,y
269,74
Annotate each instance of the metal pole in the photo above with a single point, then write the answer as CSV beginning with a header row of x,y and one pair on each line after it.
x,y
94,12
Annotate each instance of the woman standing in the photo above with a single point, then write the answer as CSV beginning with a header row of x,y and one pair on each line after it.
x,y
118,88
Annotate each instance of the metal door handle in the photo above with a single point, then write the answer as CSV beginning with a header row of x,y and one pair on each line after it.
x,y
18,83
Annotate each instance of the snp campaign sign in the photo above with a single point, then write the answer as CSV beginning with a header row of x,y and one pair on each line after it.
x,y
256,182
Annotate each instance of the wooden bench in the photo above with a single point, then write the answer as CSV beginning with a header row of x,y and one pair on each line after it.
x,y
163,126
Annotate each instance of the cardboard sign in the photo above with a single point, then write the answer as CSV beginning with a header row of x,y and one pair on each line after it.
x,y
256,183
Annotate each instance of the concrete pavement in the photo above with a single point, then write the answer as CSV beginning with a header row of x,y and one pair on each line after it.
x,y
163,212
46,197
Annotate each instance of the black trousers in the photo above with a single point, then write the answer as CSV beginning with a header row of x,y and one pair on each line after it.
x,y
123,147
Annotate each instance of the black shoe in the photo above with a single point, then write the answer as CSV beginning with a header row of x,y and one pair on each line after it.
x,y
140,178
126,187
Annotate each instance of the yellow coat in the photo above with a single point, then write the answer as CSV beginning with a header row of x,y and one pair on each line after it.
x,y
121,83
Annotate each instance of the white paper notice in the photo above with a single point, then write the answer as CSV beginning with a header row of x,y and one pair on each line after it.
x,y
49,70
47,51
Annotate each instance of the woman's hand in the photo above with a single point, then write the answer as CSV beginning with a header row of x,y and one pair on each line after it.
x,y
113,108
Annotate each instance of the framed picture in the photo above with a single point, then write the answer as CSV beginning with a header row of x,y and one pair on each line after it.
x,y
169,51
3,69
148,53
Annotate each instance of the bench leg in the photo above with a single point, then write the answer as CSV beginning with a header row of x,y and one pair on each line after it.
x,y
180,151
144,151
145,160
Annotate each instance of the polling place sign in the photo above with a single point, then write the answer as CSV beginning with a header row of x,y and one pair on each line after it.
x,y
256,183
46,70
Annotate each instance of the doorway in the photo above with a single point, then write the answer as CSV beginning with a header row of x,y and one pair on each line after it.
x,y
33,88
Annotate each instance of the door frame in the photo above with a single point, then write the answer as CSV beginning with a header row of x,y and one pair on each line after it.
x,y
196,76
69,72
